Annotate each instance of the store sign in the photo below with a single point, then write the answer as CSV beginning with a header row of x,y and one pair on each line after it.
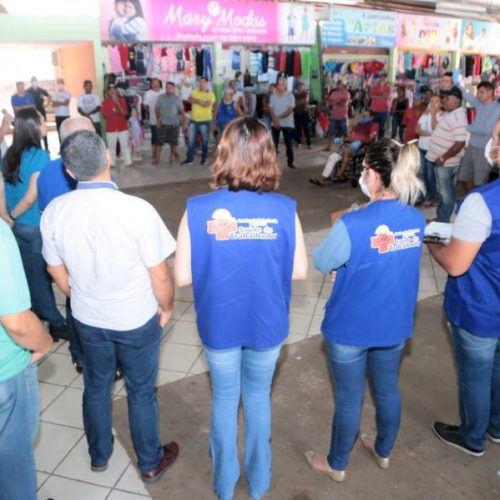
x,y
214,21
428,33
359,28
479,37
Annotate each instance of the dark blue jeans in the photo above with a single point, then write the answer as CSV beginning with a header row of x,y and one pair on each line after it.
x,y
428,176
349,364
381,119
138,352
478,362
43,301
75,346
202,128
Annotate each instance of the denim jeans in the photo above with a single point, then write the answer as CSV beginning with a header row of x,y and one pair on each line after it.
x,y
478,362
397,126
19,418
138,352
75,346
43,301
381,119
428,176
338,127
248,373
447,186
288,134
202,128
349,364
302,128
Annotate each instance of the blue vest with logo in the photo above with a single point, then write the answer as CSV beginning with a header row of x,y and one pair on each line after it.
x,y
226,113
242,250
374,297
471,301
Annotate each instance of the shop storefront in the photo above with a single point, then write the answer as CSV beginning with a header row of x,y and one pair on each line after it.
x,y
426,47
178,41
355,45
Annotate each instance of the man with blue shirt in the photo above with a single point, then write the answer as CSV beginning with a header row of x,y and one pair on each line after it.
x,y
472,296
23,341
21,99
52,182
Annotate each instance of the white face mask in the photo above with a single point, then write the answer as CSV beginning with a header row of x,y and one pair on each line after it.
x,y
364,187
487,152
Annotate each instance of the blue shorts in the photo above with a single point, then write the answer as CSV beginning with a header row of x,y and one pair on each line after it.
x,y
338,126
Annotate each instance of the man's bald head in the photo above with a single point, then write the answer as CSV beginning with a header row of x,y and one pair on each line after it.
x,y
75,124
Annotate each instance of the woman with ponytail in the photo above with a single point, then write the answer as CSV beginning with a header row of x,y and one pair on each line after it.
x,y
375,253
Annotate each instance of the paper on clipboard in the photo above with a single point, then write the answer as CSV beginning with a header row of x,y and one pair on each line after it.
x,y
438,232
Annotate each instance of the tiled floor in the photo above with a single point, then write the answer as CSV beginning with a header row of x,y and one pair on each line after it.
x,y
61,450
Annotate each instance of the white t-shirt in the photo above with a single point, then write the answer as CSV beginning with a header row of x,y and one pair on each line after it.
x,y
150,98
185,92
107,241
425,122
61,96
88,102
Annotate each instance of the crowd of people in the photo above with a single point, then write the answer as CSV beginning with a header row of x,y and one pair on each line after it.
x,y
240,246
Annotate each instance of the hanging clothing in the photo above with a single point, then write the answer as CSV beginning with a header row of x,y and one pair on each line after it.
x,y
297,66
207,64
123,51
235,60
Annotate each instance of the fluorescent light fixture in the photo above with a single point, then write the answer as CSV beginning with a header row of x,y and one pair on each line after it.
x,y
461,7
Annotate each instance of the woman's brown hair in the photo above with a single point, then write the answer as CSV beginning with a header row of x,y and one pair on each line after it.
x,y
246,158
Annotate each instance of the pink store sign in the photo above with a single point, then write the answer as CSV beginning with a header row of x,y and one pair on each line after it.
x,y
201,21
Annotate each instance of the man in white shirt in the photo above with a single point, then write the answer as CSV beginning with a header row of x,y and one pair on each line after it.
x,y
89,105
60,100
107,251
149,103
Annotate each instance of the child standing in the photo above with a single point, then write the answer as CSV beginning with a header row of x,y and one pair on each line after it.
x,y
136,134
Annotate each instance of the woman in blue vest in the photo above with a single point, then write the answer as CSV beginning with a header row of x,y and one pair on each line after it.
x,y
241,246
21,167
375,252
227,110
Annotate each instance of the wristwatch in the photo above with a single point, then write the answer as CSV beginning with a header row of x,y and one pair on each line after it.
x,y
11,216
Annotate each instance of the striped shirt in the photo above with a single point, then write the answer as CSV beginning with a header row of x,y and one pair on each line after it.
x,y
451,128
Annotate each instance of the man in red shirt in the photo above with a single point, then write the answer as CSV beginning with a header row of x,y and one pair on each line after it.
x,y
411,117
114,111
380,94
364,133
338,101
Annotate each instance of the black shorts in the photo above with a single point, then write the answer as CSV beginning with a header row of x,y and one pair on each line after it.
x,y
168,134
154,135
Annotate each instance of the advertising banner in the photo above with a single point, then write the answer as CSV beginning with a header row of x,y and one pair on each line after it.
x,y
359,28
206,22
479,37
428,33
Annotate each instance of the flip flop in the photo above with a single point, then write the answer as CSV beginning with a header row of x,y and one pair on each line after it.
x,y
316,182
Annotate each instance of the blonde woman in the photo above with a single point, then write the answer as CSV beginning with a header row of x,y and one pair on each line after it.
x,y
375,252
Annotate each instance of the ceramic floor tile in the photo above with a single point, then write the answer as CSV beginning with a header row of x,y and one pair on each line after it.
x,y
179,308
48,393
123,495
425,294
189,314
320,306
178,357
184,294
57,369
131,482
52,445
60,488
302,305
326,291
299,323
314,274
41,477
63,347
294,338
306,288
428,284
184,332
66,409
315,328
77,465
200,366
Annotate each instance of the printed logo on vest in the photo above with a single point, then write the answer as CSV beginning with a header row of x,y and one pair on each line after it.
x,y
226,227
386,240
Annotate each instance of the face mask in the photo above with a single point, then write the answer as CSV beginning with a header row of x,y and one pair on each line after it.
x,y
60,88
365,119
364,187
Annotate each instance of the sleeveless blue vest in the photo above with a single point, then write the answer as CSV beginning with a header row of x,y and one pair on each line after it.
x,y
242,250
374,297
472,300
226,113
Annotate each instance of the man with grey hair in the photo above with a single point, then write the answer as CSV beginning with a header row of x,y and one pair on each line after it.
x,y
107,251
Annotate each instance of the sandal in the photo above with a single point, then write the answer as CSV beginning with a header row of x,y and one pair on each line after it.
x,y
340,179
316,182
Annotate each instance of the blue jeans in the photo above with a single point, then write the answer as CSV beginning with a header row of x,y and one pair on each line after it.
x,y
19,418
428,176
202,128
75,346
138,352
337,126
478,362
247,373
447,187
348,364
381,119
43,301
